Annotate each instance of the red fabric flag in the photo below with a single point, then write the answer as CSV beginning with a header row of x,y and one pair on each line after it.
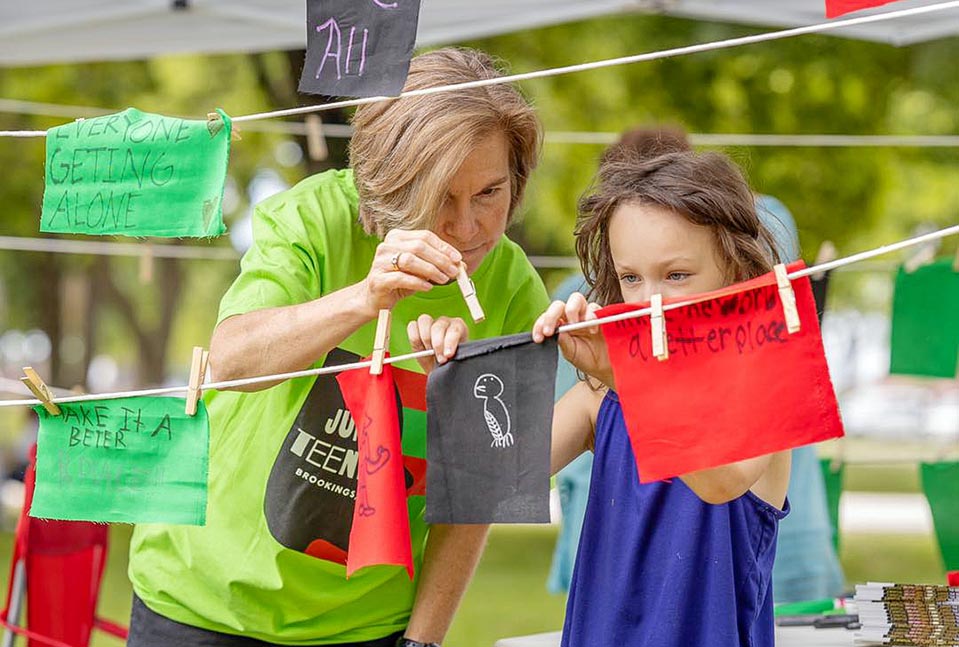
x,y
736,384
836,8
380,533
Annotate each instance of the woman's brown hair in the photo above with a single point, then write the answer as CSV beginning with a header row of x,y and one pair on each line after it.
x,y
404,152
705,188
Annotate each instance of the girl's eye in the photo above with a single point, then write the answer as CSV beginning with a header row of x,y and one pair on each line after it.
x,y
678,276
629,278
485,193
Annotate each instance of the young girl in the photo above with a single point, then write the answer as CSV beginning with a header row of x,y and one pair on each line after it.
x,y
685,562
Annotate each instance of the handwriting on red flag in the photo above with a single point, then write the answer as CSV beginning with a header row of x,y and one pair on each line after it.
x,y
380,533
836,8
736,384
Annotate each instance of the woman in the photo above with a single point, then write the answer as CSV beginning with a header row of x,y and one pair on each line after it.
x,y
434,180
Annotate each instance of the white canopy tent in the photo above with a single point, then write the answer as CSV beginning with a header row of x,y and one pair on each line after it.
x,y
37,32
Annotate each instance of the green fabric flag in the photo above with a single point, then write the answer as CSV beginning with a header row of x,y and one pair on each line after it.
x,y
136,174
925,321
940,482
832,478
130,460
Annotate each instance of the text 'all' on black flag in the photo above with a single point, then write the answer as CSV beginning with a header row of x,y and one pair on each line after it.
x,y
489,419
358,48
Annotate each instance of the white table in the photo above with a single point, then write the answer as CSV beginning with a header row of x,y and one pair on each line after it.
x,y
785,637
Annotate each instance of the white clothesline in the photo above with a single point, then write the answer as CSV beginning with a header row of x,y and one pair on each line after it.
x,y
23,133
594,65
574,137
43,109
111,248
572,263
809,271
823,267
746,140
624,60
196,252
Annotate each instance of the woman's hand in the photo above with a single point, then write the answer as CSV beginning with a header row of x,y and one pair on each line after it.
x,y
584,348
442,335
407,262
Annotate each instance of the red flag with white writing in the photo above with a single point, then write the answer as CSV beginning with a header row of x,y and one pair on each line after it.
x,y
836,8
736,384
380,533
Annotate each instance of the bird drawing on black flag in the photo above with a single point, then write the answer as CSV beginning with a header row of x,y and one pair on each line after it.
x,y
488,388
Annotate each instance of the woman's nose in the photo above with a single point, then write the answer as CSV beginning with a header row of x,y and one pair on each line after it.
x,y
460,224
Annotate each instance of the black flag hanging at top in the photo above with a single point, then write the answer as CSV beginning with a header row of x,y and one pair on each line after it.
x,y
358,48
489,419
820,288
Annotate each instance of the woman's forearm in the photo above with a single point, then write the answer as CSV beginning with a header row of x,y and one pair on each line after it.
x,y
452,553
290,338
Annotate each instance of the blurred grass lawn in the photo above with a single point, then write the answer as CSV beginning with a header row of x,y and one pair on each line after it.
x,y
508,596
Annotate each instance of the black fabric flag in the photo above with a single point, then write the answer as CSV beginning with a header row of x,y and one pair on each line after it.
x,y
489,419
820,288
358,48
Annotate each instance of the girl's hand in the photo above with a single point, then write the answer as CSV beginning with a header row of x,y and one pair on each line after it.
x,y
407,262
584,348
442,335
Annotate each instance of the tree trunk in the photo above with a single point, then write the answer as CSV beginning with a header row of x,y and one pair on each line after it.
x,y
282,93
152,340
49,271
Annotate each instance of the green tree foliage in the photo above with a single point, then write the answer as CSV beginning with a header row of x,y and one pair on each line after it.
x,y
857,197
134,322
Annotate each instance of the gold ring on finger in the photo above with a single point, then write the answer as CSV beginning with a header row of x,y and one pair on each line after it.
x,y
395,261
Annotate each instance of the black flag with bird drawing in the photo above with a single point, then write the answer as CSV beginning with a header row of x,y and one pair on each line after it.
x,y
489,419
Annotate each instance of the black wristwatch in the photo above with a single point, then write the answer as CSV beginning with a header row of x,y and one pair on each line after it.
x,y
407,642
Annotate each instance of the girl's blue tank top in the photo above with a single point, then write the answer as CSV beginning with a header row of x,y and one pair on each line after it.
x,y
659,567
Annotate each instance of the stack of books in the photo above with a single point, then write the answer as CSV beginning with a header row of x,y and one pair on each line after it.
x,y
908,614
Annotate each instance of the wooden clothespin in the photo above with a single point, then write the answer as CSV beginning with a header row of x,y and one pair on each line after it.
x,y
942,452
315,141
469,293
839,457
39,388
214,123
925,253
146,264
658,320
381,342
197,373
788,297
827,252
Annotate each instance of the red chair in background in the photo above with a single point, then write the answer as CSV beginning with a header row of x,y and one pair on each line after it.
x,y
56,567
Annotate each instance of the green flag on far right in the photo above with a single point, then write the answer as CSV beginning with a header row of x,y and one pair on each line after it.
x,y
925,321
940,482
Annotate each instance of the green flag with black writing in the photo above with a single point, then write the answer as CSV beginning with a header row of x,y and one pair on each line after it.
x,y
136,174
130,460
